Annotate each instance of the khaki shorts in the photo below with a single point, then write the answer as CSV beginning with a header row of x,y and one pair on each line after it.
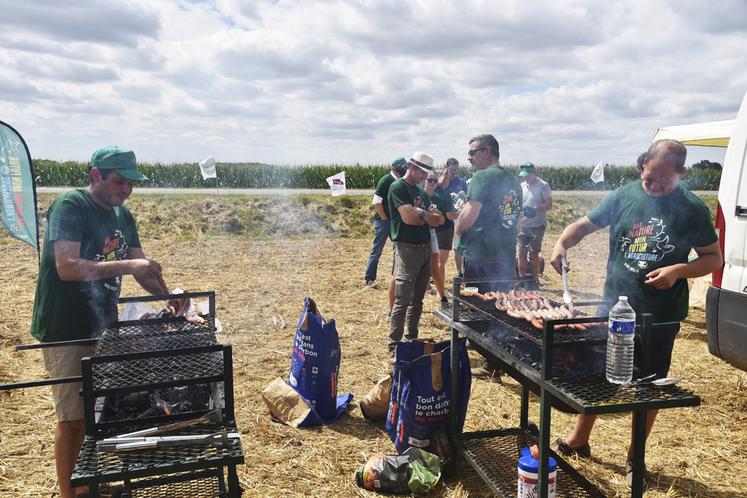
x,y
64,361
531,238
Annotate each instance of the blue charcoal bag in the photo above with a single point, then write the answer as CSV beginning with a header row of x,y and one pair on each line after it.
x,y
315,365
421,393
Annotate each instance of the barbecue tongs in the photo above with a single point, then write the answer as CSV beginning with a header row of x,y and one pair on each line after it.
x,y
567,299
220,439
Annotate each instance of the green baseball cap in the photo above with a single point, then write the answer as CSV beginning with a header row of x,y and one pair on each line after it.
x,y
526,169
399,162
120,160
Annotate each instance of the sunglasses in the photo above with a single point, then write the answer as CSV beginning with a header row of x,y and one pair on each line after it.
x,y
472,152
432,180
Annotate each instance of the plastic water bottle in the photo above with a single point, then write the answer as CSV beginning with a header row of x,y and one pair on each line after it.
x,y
620,342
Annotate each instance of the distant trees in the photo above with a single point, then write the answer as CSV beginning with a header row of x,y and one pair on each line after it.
x,y
705,164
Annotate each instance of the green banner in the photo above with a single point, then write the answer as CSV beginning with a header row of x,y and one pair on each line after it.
x,y
17,193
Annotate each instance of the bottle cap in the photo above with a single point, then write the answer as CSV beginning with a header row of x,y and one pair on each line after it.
x,y
623,298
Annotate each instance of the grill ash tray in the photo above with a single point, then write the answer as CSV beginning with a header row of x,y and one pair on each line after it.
x,y
596,334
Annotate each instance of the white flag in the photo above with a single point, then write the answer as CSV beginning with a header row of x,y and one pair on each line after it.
x,y
598,174
207,168
337,184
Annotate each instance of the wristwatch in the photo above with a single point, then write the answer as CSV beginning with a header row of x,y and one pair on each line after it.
x,y
422,214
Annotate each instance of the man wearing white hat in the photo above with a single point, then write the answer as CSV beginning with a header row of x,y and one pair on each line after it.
x,y
411,219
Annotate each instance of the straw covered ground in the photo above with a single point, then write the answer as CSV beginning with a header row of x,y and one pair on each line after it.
x,y
261,283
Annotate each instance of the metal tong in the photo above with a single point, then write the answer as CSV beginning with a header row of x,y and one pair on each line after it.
x,y
211,417
220,439
567,299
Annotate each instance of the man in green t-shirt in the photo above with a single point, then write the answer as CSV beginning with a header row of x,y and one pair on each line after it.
x,y
412,216
487,224
654,223
91,241
381,218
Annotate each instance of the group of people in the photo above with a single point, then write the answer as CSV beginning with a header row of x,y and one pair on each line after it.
x,y
654,224
91,241
426,216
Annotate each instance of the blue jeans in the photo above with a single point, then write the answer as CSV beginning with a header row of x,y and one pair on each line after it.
x,y
500,274
381,234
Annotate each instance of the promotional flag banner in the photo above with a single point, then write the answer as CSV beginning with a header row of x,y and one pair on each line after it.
x,y
17,192
598,174
207,168
337,184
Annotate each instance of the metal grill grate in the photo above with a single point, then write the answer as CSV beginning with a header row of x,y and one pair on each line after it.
x,y
596,392
110,466
124,374
199,484
495,458
141,336
597,334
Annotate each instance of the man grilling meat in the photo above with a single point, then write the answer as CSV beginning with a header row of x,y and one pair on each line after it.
x,y
653,225
91,241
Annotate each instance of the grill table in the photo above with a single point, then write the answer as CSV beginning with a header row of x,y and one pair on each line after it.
x,y
494,454
148,355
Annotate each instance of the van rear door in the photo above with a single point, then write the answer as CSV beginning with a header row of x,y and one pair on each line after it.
x,y
733,202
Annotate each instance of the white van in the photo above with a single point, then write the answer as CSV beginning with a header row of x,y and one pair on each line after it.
x,y
726,301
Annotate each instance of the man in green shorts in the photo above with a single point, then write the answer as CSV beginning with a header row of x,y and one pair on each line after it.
x,y
654,223
487,224
91,241
412,216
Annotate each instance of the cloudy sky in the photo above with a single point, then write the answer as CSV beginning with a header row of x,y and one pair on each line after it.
x,y
296,82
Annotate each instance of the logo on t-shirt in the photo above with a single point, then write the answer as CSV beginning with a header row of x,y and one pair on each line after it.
x,y
509,209
646,243
114,247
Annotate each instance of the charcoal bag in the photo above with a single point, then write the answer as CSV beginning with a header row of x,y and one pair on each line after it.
x,y
420,403
315,364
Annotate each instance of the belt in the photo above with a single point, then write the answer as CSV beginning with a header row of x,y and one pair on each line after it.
x,y
412,246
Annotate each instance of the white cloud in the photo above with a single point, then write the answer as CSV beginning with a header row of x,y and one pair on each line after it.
x,y
281,81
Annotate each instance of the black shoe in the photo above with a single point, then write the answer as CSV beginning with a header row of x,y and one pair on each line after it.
x,y
562,448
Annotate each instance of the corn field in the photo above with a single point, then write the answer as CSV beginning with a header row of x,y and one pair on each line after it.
x,y
256,175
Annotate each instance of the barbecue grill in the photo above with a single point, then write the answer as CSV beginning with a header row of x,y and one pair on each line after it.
x,y
496,335
151,359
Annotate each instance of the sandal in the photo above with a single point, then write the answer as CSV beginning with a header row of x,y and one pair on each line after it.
x,y
562,448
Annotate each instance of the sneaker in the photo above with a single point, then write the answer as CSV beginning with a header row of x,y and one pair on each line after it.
x,y
445,305
562,448
371,284
629,475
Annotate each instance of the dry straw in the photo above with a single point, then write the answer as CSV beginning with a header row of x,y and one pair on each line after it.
x,y
260,286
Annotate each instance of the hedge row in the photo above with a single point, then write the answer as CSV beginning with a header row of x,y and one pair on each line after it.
x,y
256,175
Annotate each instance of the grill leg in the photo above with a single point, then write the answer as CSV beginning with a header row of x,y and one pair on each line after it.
x,y
524,415
639,452
234,489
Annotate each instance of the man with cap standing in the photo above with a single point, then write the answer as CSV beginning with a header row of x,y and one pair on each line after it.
x,y
91,241
488,221
533,222
412,217
381,218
